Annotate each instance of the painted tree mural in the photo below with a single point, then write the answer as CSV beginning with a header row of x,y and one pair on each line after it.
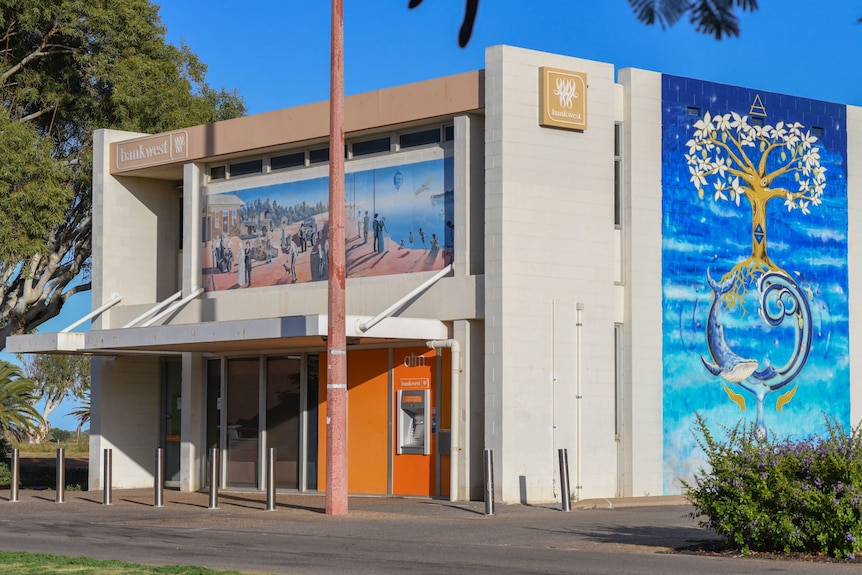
x,y
730,159
755,291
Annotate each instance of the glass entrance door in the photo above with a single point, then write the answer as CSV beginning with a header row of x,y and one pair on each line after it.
x,y
242,423
255,403
172,385
283,386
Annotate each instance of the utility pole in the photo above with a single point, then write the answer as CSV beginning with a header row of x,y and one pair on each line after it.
x,y
336,341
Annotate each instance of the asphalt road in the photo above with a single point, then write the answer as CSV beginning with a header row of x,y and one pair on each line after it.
x,y
378,536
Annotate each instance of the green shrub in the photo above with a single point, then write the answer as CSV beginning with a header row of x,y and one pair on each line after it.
x,y
5,475
780,494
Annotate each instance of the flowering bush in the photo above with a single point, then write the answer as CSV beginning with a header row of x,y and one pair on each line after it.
x,y
781,494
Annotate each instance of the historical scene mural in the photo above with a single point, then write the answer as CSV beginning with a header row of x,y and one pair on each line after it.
x,y
754,257
399,219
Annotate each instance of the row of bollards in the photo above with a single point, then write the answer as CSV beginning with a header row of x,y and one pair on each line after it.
x,y
488,472
214,469
159,483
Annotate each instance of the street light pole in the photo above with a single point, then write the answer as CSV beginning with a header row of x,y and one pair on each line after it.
x,y
336,341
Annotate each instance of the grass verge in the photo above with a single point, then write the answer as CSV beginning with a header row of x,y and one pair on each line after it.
x,y
40,564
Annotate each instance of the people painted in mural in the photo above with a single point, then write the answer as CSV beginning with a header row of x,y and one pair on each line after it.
x,y
365,228
375,228
382,235
422,237
240,270
292,256
435,244
249,257
299,210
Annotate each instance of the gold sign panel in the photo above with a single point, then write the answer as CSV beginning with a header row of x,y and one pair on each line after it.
x,y
563,99
152,150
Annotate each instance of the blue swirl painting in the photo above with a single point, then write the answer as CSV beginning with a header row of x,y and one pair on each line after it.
x,y
754,266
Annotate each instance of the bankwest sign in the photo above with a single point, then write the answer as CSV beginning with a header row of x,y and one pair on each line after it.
x,y
563,99
151,150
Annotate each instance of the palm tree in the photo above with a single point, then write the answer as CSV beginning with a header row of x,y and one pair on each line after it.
x,y
18,415
82,414
714,17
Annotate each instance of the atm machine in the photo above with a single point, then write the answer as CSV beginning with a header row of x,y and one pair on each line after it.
x,y
414,419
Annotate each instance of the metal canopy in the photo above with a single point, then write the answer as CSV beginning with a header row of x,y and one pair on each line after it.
x,y
226,336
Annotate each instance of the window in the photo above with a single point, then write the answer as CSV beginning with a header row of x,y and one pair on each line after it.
x,y
318,156
618,175
371,147
218,173
817,131
449,133
246,168
422,138
294,160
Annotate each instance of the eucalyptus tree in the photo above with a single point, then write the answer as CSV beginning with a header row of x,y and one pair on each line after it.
x,y
67,68
55,377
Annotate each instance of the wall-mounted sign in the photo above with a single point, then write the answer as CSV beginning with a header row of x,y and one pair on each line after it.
x,y
563,97
159,149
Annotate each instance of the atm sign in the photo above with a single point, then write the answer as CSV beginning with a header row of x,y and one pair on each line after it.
x,y
414,383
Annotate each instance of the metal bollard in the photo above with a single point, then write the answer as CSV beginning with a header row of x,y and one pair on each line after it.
x,y
158,480
106,493
489,481
13,494
214,475
61,475
564,479
270,479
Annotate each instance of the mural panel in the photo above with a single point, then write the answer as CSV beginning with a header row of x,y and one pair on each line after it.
x,y
754,266
399,219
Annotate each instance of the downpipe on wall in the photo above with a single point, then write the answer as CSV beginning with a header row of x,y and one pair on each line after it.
x,y
455,447
578,397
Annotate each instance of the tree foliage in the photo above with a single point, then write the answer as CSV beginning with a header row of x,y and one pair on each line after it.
x,y
55,377
18,417
67,68
714,17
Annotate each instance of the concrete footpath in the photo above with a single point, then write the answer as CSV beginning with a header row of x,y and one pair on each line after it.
x,y
378,535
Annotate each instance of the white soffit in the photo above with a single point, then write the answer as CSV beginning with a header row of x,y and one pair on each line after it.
x,y
242,335
59,342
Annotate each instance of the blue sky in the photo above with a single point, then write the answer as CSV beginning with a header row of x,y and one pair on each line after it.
x,y
276,52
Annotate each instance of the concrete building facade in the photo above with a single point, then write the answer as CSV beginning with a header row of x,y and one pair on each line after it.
x,y
541,255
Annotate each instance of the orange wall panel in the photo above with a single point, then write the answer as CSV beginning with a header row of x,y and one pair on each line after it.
x,y
367,422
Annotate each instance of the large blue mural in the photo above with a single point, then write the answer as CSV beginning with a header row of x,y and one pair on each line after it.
x,y
754,266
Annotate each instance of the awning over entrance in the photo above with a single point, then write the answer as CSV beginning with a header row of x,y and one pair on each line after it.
x,y
226,336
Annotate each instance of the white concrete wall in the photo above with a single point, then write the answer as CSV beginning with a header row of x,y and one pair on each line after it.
x,y
854,256
643,282
548,246
126,420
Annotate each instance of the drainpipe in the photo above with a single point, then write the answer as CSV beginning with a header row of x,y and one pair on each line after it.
x,y
455,432
578,398
362,327
175,306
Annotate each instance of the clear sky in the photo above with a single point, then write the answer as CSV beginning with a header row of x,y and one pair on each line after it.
x,y
276,52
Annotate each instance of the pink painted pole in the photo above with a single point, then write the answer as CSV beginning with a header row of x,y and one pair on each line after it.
x,y
336,342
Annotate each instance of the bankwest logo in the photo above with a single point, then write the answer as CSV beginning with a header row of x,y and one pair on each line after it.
x,y
152,150
563,99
